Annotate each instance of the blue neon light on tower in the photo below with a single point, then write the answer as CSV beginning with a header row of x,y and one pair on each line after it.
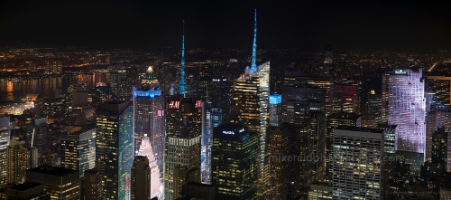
x,y
254,46
182,63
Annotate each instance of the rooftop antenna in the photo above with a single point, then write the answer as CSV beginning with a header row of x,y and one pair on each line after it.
x,y
254,46
182,63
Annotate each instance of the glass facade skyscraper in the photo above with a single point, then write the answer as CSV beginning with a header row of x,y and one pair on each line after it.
x,y
234,162
211,118
115,147
79,150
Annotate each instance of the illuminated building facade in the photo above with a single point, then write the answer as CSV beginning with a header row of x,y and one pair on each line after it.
x,y
148,105
79,149
211,118
234,162
217,91
275,107
114,147
320,191
140,183
440,142
5,135
345,99
357,175
156,185
442,88
59,183
404,105
333,121
389,137
180,152
438,117
183,139
18,162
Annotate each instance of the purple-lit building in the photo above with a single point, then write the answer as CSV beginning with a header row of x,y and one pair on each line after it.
x,y
404,105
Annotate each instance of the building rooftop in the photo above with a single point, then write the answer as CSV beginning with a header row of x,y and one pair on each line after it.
x,y
353,128
24,186
115,107
55,171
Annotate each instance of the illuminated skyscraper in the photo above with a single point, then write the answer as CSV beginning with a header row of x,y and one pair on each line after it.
x,y
211,118
357,175
156,185
92,188
183,140
5,135
345,99
251,101
234,157
275,107
18,162
79,149
140,183
404,105
148,105
114,147
59,183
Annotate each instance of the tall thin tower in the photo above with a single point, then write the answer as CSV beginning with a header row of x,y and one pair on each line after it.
x,y
182,65
254,46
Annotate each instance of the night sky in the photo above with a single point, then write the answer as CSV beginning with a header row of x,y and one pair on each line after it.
x,y
308,24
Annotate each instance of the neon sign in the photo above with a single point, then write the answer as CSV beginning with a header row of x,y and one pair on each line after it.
x,y
198,103
228,132
174,104
241,130
160,113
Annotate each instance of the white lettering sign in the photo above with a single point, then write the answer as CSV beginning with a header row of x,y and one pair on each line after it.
x,y
228,132
241,130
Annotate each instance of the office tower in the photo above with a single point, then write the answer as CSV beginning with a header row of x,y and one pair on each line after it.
x,y
114,147
117,81
18,162
77,108
59,183
79,149
156,184
34,154
345,99
288,160
148,105
442,87
183,139
182,176
320,191
251,101
440,142
404,105
275,107
412,159
357,175
140,183
438,117
199,191
234,161
27,190
389,137
5,135
217,91
92,188
333,121
211,118
181,151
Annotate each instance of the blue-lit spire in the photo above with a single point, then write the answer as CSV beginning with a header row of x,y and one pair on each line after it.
x,y
182,65
254,46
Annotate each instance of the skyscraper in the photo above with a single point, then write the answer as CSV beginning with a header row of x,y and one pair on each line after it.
x,y
251,101
59,183
5,135
148,105
357,175
404,105
79,149
18,162
234,157
92,188
114,147
140,183
275,107
211,118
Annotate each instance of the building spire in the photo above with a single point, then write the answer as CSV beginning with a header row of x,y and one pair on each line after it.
x,y
254,46
182,65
